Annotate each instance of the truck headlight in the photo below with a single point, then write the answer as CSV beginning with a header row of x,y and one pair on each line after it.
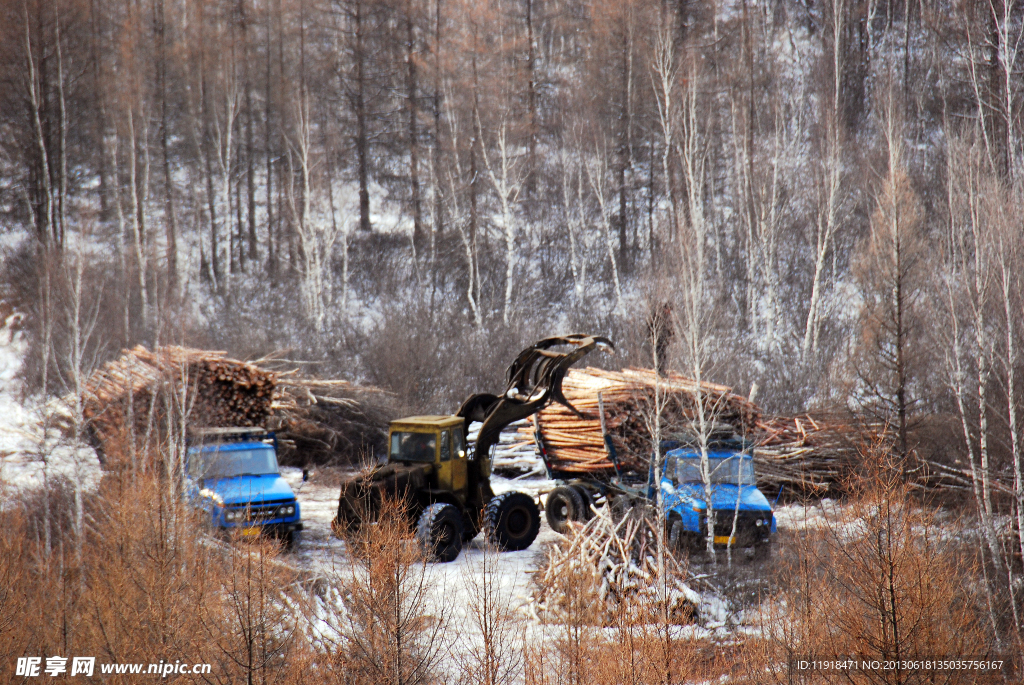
x,y
758,522
288,510
231,516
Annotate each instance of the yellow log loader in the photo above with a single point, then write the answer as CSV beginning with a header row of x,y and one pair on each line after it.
x,y
444,483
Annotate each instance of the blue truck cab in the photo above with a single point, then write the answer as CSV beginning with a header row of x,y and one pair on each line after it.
x,y
735,499
232,475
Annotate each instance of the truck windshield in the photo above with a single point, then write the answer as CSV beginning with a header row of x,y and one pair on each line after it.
x,y
215,463
722,470
413,446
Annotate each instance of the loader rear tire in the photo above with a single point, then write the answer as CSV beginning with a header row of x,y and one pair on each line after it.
x,y
439,532
564,504
512,521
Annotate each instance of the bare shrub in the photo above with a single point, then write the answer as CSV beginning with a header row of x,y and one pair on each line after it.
x,y
150,585
882,579
251,637
12,578
379,623
610,619
566,653
150,574
496,629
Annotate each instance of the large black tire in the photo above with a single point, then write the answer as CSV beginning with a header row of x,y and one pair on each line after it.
x,y
762,551
564,504
512,521
470,527
439,532
676,535
588,513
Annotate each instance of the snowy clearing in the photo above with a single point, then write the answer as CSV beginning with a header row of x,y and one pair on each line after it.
x,y
30,455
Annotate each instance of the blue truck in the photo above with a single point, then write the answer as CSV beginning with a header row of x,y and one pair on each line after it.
x,y
742,515
735,499
232,475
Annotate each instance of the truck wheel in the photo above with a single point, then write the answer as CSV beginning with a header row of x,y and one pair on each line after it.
x,y
762,551
564,504
512,521
439,532
587,501
675,535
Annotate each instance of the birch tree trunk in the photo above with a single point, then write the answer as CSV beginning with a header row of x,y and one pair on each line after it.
x,y
507,175
832,178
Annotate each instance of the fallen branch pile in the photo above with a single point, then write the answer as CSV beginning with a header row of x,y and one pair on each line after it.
x,y
933,477
606,570
809,456
329,421
576,445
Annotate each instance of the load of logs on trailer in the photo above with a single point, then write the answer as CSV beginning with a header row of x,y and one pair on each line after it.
x,y
131,404
576,445
804,456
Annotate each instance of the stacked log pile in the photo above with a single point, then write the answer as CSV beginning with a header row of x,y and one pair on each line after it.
x,y
132,403
613,566
133,397
800,455
576,445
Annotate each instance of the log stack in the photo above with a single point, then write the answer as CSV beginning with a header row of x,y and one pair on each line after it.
x,y
576,445
801,455
133,397
130,405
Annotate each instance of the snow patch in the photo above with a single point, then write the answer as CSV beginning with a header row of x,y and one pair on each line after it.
x,y
29,453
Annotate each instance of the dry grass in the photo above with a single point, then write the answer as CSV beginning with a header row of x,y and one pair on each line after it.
x,y
882,578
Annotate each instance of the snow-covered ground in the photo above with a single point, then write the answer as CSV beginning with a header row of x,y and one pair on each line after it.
x,y
319,551
28,454
454,583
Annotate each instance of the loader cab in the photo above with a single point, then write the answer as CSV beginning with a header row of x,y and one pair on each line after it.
x,y
436,440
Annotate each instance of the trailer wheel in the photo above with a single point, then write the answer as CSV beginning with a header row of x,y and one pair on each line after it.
x,y
564,504
439,532
587,501
512,521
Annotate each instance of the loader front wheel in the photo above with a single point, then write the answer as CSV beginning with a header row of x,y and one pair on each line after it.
x,y
564,504
512,520
439,532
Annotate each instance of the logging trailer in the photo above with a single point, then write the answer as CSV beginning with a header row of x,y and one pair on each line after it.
x,y
443,483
